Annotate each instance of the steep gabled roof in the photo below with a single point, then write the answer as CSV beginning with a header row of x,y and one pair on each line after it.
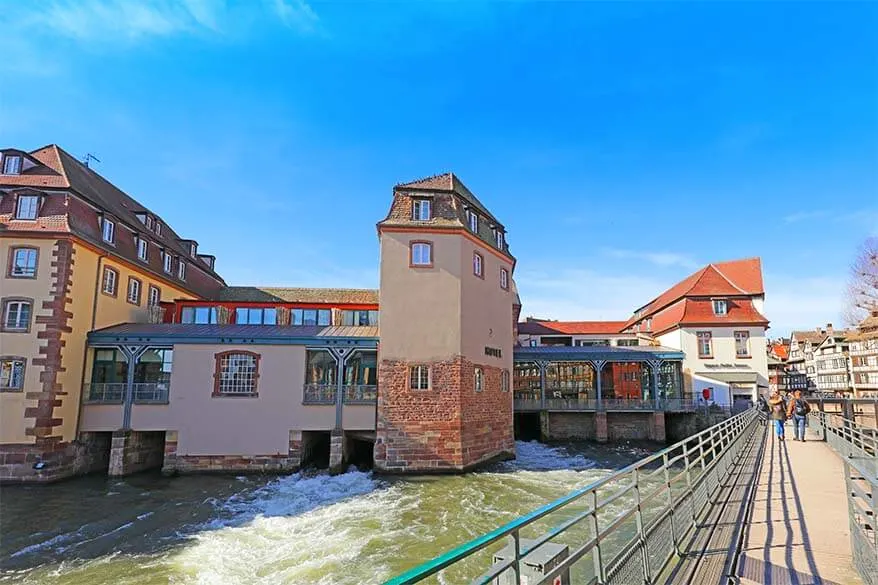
x,y
815,337
686,311
448,182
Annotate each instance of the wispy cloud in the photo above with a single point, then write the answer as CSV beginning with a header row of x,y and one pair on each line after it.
x,y
802,303
805,216
862,217
663,259
296,14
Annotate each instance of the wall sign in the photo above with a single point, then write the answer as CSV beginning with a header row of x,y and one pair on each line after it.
x,y
493,352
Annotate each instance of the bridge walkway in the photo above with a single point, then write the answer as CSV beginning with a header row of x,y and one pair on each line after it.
x,y
784,511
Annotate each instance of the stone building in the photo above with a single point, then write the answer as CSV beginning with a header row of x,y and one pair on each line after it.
x,y
864,356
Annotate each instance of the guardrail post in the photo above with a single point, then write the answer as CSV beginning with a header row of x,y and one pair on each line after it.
x,y
671,504
638,519
600,575
516,545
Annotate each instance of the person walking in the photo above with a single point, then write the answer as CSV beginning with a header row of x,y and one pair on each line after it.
x,y
778,414
798,410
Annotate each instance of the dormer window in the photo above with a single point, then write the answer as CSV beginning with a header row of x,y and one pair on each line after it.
x,y
720,307
149,222
472,219
108,230
142,248
167,260
158,228
11,164
498,238
181,270
421,210
193,249
27,206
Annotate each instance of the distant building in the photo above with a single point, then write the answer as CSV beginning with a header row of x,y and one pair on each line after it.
x,y
802,365
864,356
778,376
832,363
540,332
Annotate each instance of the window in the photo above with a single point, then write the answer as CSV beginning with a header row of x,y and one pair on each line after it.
x,y
504,381
359,318
477,264
236,373
11,374
419,377
149,222
498,238
479,379
154,296
705,347
421,210
472,218
742,343
158,228
181,270
504,279
24,263
16,315
11,164
421,254
321,317
111,278
193,249
200,315
628,342
168,262
133,290
109,231
26,207
534,343
593,342
257,316
720,307
142,248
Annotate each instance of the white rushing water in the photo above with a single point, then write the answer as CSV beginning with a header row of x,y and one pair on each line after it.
x,y
353,528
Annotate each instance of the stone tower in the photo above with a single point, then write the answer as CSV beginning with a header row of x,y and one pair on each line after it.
x,y
445,356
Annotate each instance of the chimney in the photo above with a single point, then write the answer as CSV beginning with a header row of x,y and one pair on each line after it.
x,y
819,331
829,328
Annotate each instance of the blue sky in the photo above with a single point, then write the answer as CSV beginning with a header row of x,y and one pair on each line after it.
x,y
622,144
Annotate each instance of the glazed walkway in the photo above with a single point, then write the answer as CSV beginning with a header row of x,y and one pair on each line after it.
x,y
793,528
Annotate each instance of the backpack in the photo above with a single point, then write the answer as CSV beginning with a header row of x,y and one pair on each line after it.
x,y
802,407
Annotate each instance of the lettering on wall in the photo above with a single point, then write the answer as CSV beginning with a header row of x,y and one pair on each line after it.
x,y
493,352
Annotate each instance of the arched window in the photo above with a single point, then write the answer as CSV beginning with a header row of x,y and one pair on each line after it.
x,y
237,373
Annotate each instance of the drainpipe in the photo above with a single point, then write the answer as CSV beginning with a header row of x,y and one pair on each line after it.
x,y
94,315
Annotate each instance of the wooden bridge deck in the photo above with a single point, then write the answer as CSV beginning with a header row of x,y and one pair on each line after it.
x,y
783,509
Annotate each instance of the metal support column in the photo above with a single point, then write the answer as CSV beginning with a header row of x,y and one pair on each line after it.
x,y
132,354
654,366
598,368
341,355
542,366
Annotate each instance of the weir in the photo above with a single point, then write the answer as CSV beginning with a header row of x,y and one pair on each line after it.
x,y
687,513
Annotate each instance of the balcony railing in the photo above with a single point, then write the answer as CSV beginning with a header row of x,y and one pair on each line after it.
x,y
114,392
319,393
360,394
616,404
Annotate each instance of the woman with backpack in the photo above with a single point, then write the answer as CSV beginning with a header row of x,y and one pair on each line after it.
x,y
777,413
798,409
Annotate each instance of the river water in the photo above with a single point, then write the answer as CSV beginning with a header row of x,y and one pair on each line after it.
x,y
354,528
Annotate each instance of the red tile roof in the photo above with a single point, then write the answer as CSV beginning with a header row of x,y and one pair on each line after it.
x,y
736,277
780,350
700,312
534,327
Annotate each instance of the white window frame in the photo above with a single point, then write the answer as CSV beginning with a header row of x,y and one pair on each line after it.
x,y
504,279
167,262
504,381
472,220
742,337
19,325
478,265
133,290
181,269
498,238
158,228
419,250
717,303
27,271
15,167
32,208
7,368
422,209
154,296
705,335
109,277
419,377
478,379
142,249
193,250
108,230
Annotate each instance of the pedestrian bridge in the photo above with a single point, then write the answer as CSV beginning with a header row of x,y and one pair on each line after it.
x,y
731,504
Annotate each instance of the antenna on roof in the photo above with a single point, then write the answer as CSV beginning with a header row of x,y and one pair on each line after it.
x,y
88,158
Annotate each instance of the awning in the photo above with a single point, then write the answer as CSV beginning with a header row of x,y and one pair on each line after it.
x,y
740,377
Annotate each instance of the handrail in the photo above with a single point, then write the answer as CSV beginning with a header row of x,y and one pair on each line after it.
x,y
664,502
858,448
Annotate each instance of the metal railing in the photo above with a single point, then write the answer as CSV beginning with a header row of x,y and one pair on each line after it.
x,y
858,448
360,394
114,392
616,404
319,393
630,523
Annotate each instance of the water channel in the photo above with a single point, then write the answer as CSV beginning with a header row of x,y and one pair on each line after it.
x,y
354,528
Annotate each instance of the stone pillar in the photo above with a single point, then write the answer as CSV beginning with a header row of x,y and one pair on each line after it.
x,y
658,427
133,451
602,434
337,452
169,464
544,426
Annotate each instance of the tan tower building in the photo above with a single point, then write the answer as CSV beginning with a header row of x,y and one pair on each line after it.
x,y
448,307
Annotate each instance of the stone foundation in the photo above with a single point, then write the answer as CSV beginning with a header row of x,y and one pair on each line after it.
x,y
23,463
448,428
269,463
605,427
134,451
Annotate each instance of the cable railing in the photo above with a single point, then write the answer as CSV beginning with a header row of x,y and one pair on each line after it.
x,y
858,448
114,392
620,530
529,403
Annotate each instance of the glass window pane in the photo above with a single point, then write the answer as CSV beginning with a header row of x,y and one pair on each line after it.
x,y
324,317
187,315
296,317
309,317
240,316
269,317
